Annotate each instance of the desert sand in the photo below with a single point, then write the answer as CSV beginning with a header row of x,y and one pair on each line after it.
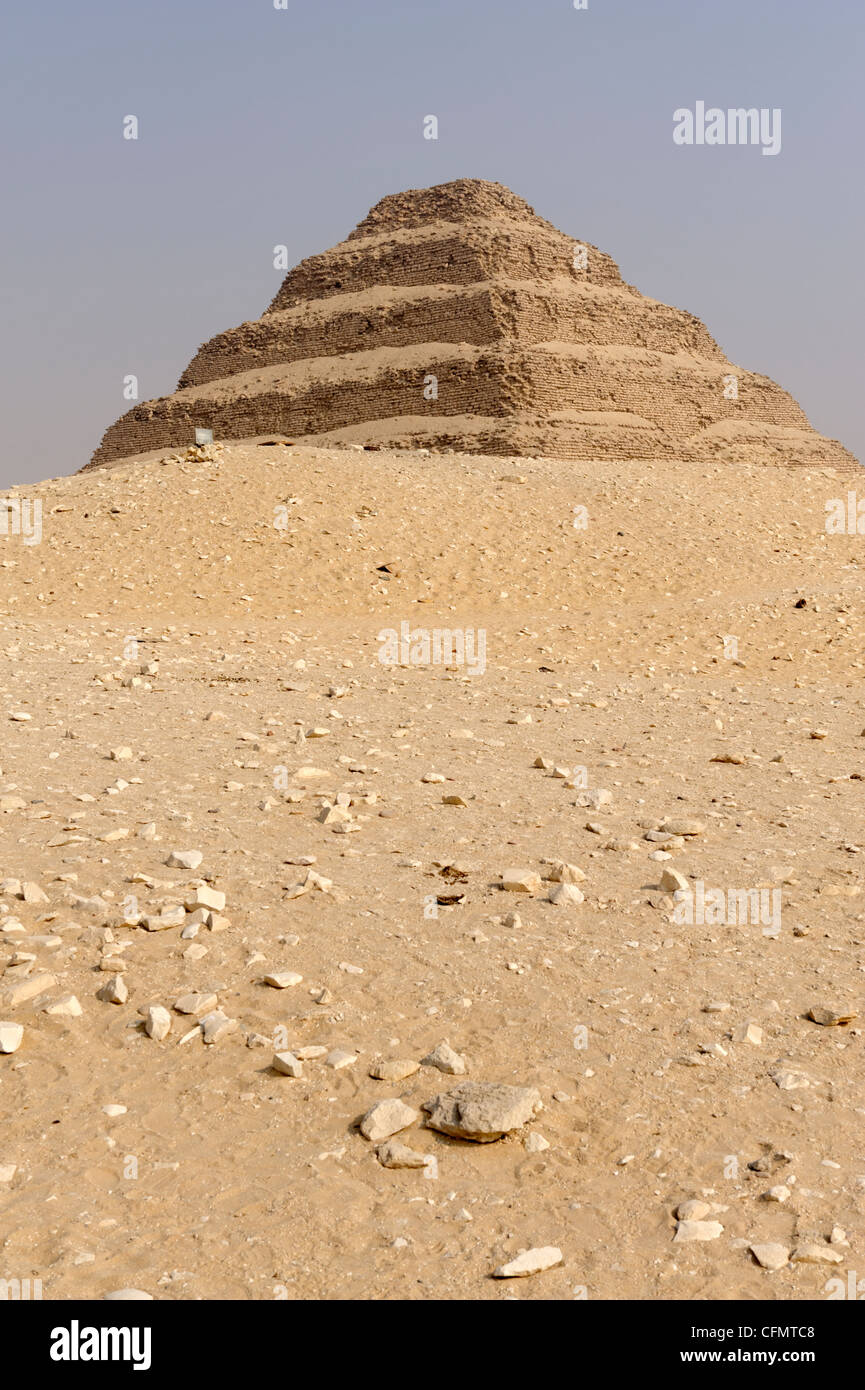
x,y
193,668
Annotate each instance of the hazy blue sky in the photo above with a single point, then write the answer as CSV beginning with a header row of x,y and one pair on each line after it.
x,y
261,126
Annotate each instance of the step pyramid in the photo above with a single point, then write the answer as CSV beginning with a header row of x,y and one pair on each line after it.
x,y
454,317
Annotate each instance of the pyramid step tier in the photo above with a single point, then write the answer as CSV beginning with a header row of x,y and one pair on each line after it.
x,y
678,394
444,255
482,314
605,436
454,202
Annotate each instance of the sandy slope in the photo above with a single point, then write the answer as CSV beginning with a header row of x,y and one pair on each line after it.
x,y
604,650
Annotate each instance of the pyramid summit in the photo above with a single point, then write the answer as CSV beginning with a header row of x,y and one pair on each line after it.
x,y
454,317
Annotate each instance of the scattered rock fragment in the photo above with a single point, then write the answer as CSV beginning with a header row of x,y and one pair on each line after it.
x,y
283,979
112,963
816,1255
770,1255
32,893
157,1022
445,1059
521,881
216,1025
692,1210
11,1035
535,1143
205,896
671,881
30,988
530,1262
287,1064
482,1111
561,872
309,881
67,1006
396,1069
386,1118
676,825
339,1058
164,921
830,1018
770,1162
197,1004
184,859
790,1079
565,895
748,1033
594,799
697,1230
94,904
394,1154
114,991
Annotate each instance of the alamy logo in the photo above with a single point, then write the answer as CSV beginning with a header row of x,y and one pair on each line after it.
x,y
76,1343
439,647
736,126
853,1290
20,1290
734,908
845,519
21,516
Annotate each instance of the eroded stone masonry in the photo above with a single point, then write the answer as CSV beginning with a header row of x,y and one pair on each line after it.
x,y
454,317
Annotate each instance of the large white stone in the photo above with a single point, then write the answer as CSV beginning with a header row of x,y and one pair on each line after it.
x,y
387,1117
10,1036
530,1262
